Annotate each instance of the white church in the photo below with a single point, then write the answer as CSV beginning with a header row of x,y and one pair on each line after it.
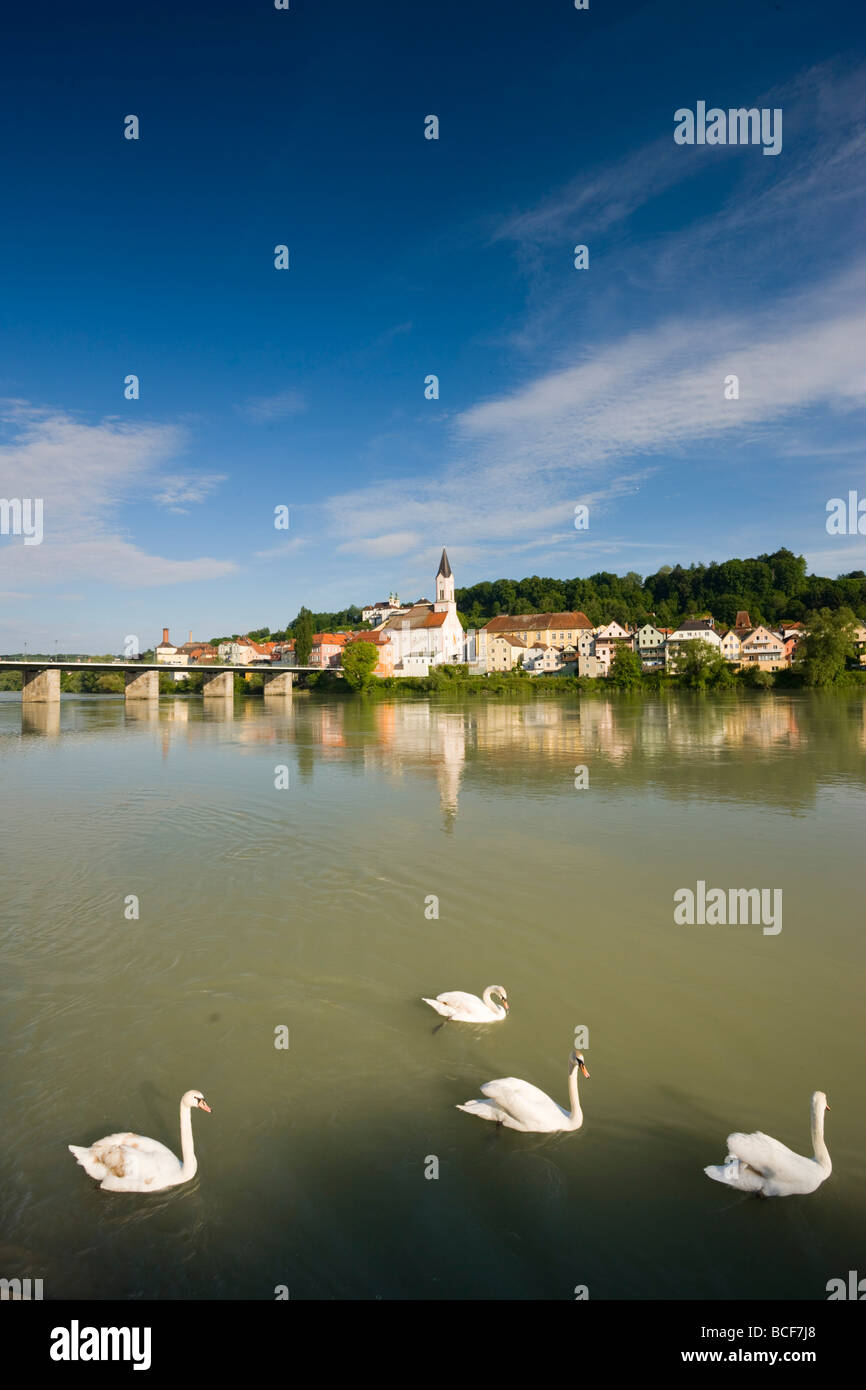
x,y
427,634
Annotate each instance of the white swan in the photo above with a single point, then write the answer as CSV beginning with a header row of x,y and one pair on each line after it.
x,y
131,1163
519,1105
757,1163
468,1008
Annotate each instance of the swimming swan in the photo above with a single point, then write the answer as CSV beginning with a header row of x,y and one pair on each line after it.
x,y
519,1105
468,1008
131,1163
757,1163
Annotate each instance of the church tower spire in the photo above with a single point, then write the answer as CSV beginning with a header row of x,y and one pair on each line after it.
x,y
444,586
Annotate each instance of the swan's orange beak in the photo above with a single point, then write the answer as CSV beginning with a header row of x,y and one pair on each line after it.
x,y
203,1105
583,1070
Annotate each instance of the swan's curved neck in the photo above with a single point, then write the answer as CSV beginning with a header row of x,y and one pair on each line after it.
x,y
576,1112
190,1162
487,998
822,1153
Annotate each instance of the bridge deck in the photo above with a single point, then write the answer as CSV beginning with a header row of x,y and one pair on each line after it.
x,y
43,663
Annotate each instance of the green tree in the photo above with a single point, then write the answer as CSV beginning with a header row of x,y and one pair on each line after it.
x,y
626,670
304,629
360,660
696,663
823,653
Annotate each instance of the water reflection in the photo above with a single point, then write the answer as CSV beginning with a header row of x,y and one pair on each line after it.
x,y
41,719
218,708
737,747
142,711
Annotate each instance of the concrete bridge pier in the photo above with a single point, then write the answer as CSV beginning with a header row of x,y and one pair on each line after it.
x,y
219,686
39,685
141,685
277,683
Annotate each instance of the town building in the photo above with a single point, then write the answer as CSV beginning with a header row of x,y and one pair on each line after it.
x,y
732,644
243,651
649,643
504,653
763,648
695,630
384,651
167,654
327,649
561,630
427,634
546,660
377,613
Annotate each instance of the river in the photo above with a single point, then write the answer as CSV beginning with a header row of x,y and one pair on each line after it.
x,y
305,870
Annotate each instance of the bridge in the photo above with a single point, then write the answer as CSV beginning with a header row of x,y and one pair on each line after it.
x,y
40,682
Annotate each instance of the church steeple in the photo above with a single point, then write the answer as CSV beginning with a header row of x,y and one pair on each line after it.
x,y
444,585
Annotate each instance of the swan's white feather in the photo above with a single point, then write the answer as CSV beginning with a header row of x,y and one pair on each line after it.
x,y
129,1163
456,1004
783,1171
525,1105
485,1110
742,1177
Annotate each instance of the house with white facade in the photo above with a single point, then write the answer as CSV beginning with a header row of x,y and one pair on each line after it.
x,y
167,654
697,630
545,660
613,632
243,651
377,613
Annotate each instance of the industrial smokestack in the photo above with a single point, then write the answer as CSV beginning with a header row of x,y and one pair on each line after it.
x,y
165,641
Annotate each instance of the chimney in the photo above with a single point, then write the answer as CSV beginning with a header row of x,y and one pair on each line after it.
x,y
165,641
190,634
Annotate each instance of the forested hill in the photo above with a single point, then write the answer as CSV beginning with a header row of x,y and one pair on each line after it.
x,y
771,587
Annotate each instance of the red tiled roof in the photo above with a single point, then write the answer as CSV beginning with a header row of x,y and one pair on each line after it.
x,y
538,622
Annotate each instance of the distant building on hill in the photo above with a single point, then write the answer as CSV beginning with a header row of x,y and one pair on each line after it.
x,y
377,613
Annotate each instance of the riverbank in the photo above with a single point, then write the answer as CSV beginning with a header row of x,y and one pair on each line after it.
x,y
456,680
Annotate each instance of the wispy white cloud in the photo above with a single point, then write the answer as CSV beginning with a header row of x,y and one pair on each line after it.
x,y
595,431
838,559
187,487
84,473
261,410
383,546
285,548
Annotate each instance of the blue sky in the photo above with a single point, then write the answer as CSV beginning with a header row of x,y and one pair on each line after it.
x,y
305,388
